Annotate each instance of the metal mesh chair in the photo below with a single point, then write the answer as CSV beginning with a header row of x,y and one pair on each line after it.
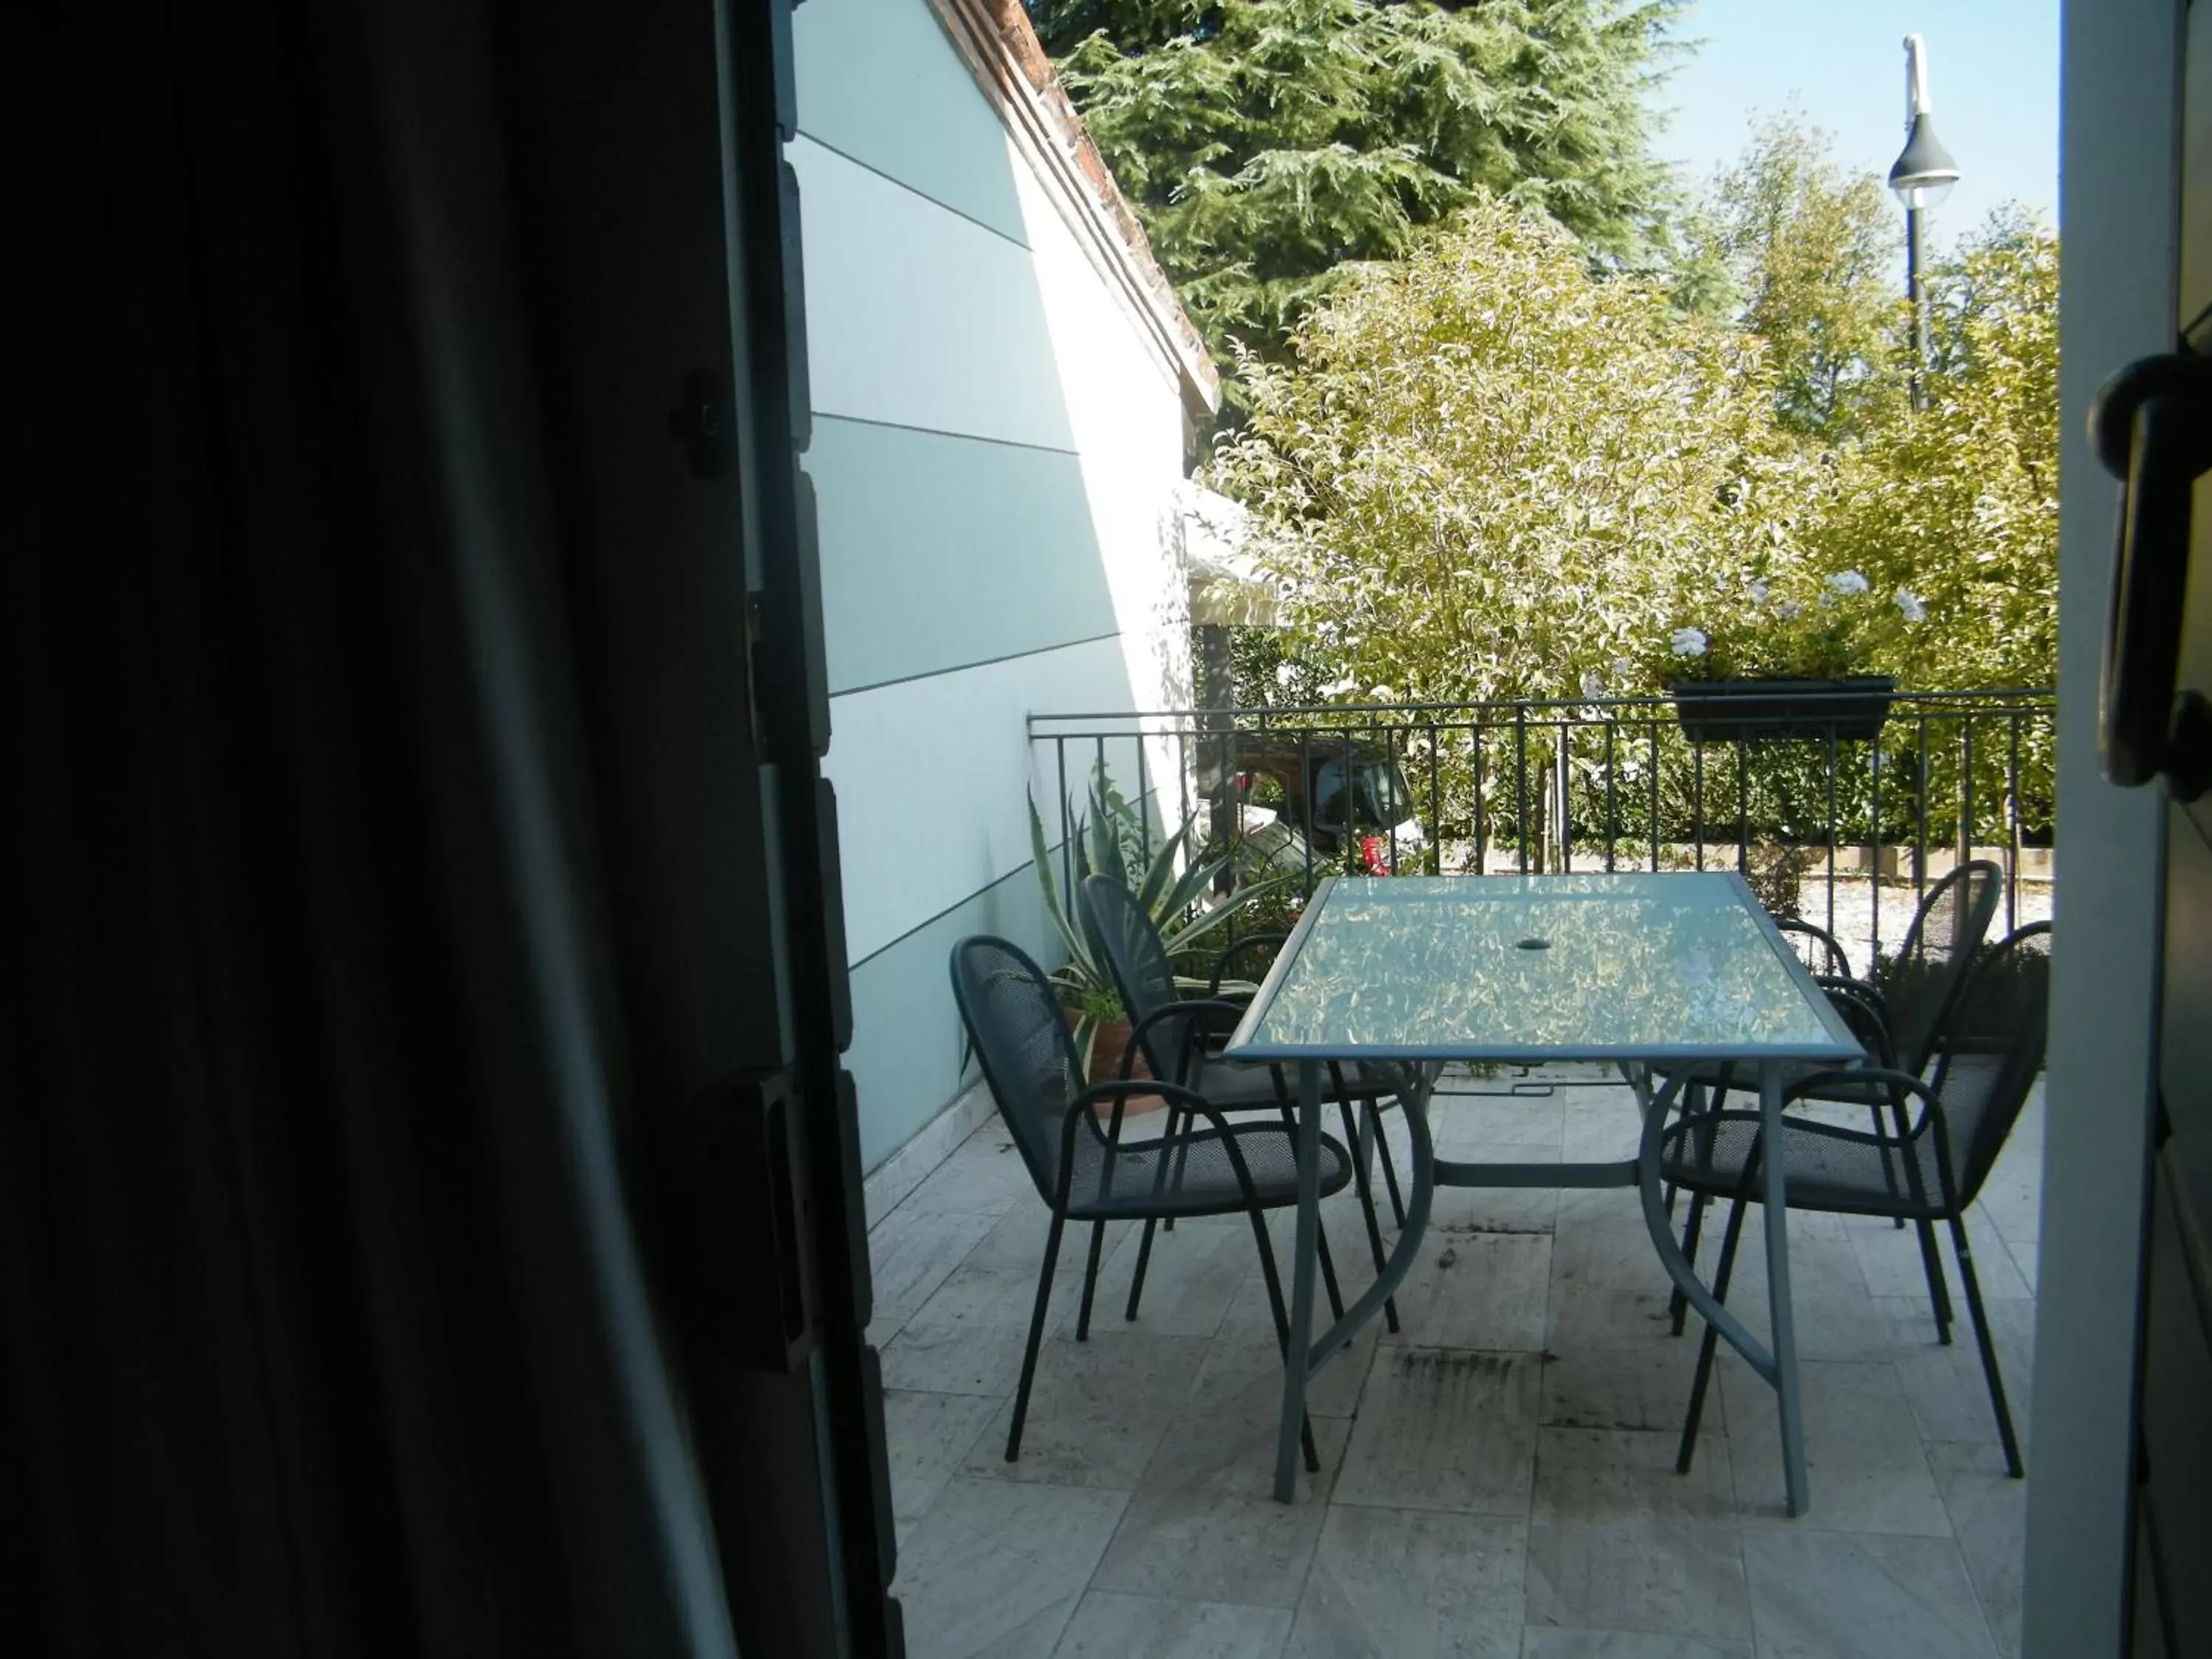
x,y
1986,1054
1896,1013
1816,947
1178,1037
1085,1170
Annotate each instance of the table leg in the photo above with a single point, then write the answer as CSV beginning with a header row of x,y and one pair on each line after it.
x,y
1776,1204
1296,1362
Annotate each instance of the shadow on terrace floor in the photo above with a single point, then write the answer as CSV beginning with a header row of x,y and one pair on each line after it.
x,y
1497,1481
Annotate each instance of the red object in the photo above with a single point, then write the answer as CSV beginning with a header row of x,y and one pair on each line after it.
x,y
1376,854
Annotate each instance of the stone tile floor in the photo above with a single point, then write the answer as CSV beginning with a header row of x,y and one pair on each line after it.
x,y
1497,1479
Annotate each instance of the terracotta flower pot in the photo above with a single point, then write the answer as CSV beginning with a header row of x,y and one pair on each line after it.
x,y
1109,1041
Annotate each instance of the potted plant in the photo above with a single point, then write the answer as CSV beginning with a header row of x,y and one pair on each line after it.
x,y
1781,663
1110,840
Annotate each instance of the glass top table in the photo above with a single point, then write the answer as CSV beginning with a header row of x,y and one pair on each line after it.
x,y
1664,976
1619,968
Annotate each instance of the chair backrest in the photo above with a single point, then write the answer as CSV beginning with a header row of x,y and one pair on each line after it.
x,y
1921,981
1021,1043
1123,935
1990,1050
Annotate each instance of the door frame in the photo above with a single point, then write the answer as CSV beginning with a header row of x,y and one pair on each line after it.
x,y
2118,195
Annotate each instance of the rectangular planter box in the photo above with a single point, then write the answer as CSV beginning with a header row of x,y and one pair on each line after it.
x,y
1783,709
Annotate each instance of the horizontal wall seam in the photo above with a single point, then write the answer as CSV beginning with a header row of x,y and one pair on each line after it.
x,y
1020,870
942,432
816,138
981,662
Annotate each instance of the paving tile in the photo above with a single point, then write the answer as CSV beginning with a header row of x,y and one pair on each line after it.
x,y
1017,1239
1403,1584
1644,1387
1476,1290
1213,1547
1443,1430
985,1174
1542,1644
912,1253
1248,1371
1949,1394
995,1568
1107,1626
1000,1298
1867,1468
926,1438
1989,1514
1889,1258
954,1358
1480,1127
1098,1410
1195,1273
1232,1452
1605,1475
1617,1541
1847,1595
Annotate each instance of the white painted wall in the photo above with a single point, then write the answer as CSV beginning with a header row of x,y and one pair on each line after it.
x,y
953,315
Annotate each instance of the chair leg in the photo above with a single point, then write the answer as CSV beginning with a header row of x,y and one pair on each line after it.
x,y
1282,1328
1980,1317
1037,1336
1137,1279
1677,1305
1888,1167
1367,1206
1159,1182
1389,1167
1939,1292
1730,1236
1089,1280
1321,1239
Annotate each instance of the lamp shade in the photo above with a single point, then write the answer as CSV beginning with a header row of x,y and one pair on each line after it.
x,y
1923,174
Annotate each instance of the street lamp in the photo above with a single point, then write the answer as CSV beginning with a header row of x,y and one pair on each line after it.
x,y
1922,176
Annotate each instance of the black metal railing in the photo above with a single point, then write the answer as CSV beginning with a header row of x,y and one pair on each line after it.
x,y
1846,831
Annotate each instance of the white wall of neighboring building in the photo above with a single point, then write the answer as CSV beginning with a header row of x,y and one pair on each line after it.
x,y
996,439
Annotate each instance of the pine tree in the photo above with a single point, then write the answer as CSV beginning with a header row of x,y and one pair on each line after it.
x,y
1268,144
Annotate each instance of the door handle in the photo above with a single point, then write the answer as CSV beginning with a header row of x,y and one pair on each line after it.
x,y
2151,427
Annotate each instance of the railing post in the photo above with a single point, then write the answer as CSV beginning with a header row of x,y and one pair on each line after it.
x,y
1521,780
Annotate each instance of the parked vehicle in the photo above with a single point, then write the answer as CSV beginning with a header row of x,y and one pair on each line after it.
x,y
1346,799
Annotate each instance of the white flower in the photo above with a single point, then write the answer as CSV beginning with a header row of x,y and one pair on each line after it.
x,y
1758,592
1720,583
1593,684
1338,688
1847,582
1689,642
1910,605
1620,668
1283,675
1381,693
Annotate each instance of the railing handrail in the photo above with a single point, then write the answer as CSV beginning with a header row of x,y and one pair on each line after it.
x,y
2029,695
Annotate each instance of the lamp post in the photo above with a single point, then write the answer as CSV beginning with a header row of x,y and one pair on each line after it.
x,y
1922,176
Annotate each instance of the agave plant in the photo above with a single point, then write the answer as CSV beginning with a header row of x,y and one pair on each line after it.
x,y
1110,840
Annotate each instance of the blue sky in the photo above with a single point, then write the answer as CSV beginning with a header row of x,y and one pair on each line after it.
x,y
1993,78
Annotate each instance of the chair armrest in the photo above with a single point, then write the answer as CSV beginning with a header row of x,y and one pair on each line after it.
x,y
1902,1084
1863,1011
1249,942
1222,1012
1189,1099
1119,1091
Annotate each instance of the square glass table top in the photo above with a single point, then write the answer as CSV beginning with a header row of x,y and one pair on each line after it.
x,y
1642,967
